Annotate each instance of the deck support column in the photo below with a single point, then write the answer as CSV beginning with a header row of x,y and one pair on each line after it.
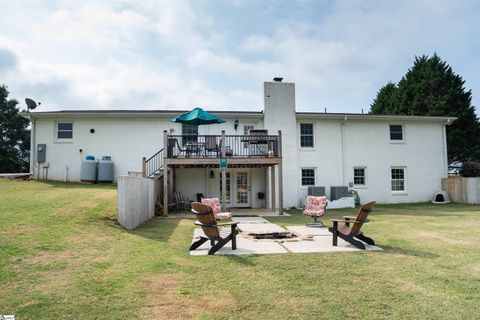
x,y
224,173
165,190
273,188
280,174
280,189
171,183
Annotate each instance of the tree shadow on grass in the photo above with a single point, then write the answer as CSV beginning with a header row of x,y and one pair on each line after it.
x,y
409,252
245,260
77,185
157,229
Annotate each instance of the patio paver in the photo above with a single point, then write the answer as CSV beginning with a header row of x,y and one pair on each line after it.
x,y
250,220
308,231
261,228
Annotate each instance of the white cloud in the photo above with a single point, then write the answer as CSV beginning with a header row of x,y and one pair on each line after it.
x,y
179,54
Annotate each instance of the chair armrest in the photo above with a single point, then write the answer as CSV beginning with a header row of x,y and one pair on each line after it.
x,y
227,224
198,223
350,217
349,221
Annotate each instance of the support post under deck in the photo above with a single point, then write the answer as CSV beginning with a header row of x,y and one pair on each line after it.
x,y
224,173
165,190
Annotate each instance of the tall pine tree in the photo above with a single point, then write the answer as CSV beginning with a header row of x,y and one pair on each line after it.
x,y
431,88
14,136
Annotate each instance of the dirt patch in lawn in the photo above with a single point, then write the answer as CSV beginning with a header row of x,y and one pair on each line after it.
x,y
166,302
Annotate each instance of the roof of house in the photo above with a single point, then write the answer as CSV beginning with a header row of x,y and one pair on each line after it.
x,y
228,114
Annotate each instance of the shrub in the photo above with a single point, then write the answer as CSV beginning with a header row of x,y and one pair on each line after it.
x,y
470,168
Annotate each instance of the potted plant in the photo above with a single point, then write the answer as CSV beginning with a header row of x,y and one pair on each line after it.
x,y
261,196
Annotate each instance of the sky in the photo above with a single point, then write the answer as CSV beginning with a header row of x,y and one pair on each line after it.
x,y
217,54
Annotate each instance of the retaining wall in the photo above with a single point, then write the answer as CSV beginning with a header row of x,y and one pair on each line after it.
x,y
136,200
462,190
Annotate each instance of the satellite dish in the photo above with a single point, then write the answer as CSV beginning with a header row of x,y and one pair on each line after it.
x,y
31,104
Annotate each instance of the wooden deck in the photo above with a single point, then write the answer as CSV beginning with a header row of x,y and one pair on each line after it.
x,y
214,162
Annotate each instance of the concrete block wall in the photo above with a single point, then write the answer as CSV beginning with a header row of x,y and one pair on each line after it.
x,y
136,200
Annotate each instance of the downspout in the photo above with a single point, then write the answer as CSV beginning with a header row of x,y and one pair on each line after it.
x,y
445,151
32,146
344,161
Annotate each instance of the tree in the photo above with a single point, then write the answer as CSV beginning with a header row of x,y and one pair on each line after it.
x,y
14,136
431,88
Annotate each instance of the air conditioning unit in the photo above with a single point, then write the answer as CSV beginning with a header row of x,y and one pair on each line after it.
x,y
338,192
316,191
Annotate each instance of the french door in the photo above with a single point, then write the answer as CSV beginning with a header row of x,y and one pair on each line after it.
x,y
242,189
237,188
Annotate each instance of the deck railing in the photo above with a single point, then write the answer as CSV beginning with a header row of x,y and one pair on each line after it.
x,y
217,146
152,165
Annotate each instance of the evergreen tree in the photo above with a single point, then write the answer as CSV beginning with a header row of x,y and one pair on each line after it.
x,y
14,136
431,88
384,103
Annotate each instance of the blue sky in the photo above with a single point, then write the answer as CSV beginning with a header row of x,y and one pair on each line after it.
x,y
216,54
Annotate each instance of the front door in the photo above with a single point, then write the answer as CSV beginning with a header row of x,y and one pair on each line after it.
x,y
242,189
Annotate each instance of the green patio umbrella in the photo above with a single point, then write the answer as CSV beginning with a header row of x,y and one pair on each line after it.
x,y
198,116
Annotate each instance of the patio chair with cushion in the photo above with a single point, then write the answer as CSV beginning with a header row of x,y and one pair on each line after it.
x,y
348,232
315,207
213,231
214,203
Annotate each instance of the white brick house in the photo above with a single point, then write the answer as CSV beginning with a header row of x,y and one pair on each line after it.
x,y
389,159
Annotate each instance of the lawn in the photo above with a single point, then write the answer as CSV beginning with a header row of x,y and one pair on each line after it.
x,y
63,256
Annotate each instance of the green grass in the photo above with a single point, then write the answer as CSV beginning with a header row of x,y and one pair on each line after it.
x,y
63,256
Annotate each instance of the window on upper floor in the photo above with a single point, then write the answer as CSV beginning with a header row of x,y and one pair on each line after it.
x,y
64,131
189,133
306,135
398,179
359,177
396,132
246,132
308,177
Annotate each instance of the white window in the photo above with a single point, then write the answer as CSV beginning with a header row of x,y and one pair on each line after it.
x,y
306,135
64,131
189,133
247,128
359,176
246,132
398,176
308,177
396,132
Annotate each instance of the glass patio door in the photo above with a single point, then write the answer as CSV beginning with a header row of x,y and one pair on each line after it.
x,y
242,189
228,197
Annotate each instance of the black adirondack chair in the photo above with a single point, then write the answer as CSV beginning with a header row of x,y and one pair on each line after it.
x,y
216,232
352,233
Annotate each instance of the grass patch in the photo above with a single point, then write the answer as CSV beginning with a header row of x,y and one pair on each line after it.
x,y
62,255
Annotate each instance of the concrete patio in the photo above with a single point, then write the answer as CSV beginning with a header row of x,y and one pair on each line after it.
x,y
236,212
306,240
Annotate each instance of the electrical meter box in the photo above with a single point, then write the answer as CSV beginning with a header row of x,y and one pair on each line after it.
x,y
41,153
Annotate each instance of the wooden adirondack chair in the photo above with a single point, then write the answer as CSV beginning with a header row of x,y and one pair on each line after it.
x,y
214,231
349,233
